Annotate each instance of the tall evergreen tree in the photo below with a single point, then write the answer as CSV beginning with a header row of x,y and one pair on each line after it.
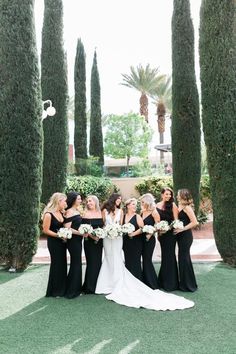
x,y
218,82
80,137
54,87
80,132
186,133
21,134
96,137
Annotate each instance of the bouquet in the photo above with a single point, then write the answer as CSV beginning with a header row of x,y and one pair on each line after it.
x,y
64,233
113,231
85,229
177,224
149,230
162,226
128,228
99,232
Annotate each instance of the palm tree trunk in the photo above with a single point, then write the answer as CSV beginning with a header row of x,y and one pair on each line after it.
x,y
143,101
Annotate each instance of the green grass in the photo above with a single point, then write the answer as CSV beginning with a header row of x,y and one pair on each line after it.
x,y
33,324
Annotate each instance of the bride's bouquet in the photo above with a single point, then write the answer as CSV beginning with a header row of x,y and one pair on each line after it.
x,y
64,233
100,233
162,226
127,229
177,224
85,229
113,231
149,230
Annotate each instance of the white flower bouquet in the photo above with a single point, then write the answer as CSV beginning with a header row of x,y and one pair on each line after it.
x,y
149,230
100,233
162,226
177,224
127,229
85,229
64,233
113,231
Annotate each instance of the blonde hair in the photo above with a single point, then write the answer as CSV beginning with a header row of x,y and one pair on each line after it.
x,y
53,203
149,201
96,201
129,201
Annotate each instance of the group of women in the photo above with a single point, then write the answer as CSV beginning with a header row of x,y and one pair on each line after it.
x,y
125,274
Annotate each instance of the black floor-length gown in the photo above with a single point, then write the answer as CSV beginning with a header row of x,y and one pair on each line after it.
x,y
74,246
93,254
149,273
187,280
168,274
132,248
58,267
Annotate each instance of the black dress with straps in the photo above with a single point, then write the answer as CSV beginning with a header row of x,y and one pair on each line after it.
x,y
186,273
58,267
93,254
168,274
74,246
149,273
132,248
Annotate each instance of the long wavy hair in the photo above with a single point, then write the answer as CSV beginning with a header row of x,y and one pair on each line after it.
x,y
71,199
168,205
186,197
110,204
53,203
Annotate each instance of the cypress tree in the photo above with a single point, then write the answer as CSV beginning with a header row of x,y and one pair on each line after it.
x,y
186,134
21,134
54,88
96,138
80,132
218,83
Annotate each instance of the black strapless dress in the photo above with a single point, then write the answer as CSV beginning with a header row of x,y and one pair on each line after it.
x,y
149,273
168,274
74,246
132,248
186,272
58,267
93,254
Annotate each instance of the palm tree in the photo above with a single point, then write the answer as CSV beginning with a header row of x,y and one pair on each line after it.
x,y
162,97
144,80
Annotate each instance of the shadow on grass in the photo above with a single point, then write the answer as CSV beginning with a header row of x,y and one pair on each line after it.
x,y
92,324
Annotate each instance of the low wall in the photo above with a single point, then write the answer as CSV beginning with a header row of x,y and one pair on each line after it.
x,y
127,186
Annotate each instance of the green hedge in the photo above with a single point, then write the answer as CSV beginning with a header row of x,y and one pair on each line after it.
x,y
154,185
85,185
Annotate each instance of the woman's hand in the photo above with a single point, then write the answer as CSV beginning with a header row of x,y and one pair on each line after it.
x,y
177,231
148,236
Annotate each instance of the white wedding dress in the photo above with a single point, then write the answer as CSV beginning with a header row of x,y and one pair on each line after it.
x,y
123,288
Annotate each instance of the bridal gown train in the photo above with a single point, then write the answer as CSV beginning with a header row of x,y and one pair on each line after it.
x,y
123,288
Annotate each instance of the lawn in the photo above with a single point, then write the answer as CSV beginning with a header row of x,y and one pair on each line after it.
x,y
33,324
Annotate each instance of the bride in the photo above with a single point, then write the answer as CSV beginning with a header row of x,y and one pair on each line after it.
x,y
116,281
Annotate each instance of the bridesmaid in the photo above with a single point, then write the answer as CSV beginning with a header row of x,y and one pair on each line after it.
x,y
53,220
168,274
93,251
133,243
150,216
185,240
73,220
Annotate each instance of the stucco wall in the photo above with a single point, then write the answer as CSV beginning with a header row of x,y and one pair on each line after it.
x,y
126,186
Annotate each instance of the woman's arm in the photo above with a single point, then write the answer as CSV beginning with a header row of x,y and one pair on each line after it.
x,y
192,217
140,224
175,211
46,225
121,216
156,216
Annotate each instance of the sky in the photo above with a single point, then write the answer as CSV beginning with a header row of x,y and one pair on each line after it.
x,y
124,33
